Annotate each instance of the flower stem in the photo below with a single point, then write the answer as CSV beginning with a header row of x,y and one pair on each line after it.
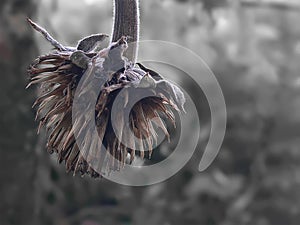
x,y
126,23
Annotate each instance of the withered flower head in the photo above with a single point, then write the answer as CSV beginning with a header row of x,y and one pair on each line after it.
x,y
59,74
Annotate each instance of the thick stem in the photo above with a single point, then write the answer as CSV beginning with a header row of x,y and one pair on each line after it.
x,y
126,23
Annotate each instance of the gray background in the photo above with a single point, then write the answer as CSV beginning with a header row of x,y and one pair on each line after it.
x,y
252,46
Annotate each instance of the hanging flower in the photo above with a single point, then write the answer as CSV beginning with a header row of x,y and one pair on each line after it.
x,y
58,75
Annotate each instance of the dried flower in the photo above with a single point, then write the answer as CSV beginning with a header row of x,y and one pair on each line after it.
x,y
58,75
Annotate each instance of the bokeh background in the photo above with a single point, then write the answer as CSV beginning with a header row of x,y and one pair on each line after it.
x,y
252,46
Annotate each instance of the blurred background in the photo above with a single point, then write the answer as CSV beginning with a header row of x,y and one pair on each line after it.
x,y
252,46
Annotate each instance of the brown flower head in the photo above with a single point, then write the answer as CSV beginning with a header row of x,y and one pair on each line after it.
x,y
117,85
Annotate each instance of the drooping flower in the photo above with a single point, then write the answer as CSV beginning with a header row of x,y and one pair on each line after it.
x,y
58,75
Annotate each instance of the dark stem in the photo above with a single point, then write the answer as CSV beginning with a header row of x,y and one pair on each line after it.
x,y
126,23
